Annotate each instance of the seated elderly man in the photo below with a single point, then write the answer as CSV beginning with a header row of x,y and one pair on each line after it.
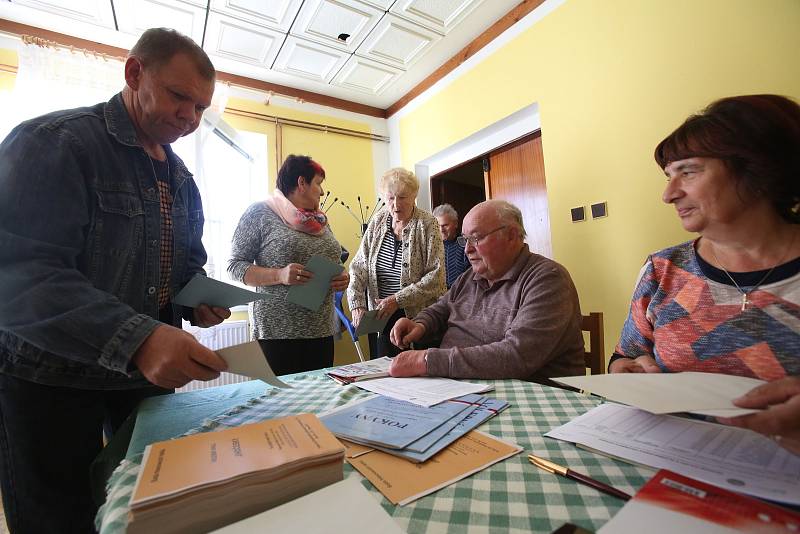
x,y
515,314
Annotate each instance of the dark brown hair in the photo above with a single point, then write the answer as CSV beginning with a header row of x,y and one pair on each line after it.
x,y
157,46
294,167
758,139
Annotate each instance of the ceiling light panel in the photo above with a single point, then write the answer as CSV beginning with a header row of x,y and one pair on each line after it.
x,y
383,5
397,42
323,21
136,16
439,15
93,11
309,59
366,76
275,14
242,41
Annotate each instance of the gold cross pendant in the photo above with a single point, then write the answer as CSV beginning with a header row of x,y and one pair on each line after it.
x,y
744,301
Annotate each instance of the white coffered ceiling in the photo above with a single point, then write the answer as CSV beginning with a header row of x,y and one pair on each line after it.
x,y
388,46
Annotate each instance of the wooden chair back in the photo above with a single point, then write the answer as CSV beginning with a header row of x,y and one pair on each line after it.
x,y
593,323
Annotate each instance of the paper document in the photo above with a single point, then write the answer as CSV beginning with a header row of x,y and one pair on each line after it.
x,y
425,391
247,359
327,505
732,458
403,482
370,323
347,374
700,393
671,503
390,422
204,290
311,294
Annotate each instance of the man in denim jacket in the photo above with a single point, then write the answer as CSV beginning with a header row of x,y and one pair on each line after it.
x,y
100,226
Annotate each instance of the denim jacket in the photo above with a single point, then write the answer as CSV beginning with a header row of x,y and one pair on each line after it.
x,y
79,247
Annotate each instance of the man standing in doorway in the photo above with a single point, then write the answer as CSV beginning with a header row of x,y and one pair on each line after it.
x,y
100,226
455,259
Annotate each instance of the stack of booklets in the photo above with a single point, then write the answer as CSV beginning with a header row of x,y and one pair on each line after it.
x,y
347,374
204,481
409,430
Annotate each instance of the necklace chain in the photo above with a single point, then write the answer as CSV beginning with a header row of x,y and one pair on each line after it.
x,y
763,279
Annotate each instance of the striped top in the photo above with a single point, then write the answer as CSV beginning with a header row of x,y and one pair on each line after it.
x,y
389,263
455,261
688,315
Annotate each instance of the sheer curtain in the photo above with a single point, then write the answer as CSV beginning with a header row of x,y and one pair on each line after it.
x,y
50,78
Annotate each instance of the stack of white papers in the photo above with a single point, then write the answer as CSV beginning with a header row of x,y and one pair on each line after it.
x,y
732,458
700,393
424,391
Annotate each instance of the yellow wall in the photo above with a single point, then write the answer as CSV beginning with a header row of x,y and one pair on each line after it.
x,y
612,78
348,168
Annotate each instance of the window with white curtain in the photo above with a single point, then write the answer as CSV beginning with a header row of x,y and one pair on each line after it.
x,y
231,172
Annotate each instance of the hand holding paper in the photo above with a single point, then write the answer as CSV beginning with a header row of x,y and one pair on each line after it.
x,y
248,360
370,323
311,294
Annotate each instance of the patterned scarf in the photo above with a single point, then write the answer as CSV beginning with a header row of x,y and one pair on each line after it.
x,y
304,220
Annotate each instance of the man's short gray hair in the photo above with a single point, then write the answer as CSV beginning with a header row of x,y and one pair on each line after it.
x,y
445,210
157,46
509,214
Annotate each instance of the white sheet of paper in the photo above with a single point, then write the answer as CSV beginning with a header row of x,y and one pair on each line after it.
x,y
700,393
248,360
732,458
344,507
204,290
425,391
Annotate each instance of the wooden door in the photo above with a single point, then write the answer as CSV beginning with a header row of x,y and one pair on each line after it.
x,y
459,195
516,174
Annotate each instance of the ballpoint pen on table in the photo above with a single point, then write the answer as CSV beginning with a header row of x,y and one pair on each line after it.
x,y
556,469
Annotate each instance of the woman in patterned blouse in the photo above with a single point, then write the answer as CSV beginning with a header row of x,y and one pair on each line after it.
x,y
399,266
272,243
728,301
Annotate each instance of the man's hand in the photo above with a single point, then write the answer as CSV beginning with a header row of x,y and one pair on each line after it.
x,y
386,307
357,314
170,358
409,363
340,281
781,418
642,364
405,332
205,315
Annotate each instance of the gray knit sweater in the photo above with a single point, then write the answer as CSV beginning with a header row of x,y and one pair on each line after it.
x,y
263,239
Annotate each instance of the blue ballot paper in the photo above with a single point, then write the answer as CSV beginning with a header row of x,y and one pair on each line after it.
x,y
311,294
390,422
477,416
204,290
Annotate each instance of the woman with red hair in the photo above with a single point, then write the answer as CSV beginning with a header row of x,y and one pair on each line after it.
x,y
272,243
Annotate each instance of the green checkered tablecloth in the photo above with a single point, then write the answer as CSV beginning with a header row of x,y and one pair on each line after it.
x,y
511,496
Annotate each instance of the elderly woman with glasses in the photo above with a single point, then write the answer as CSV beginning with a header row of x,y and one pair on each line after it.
x,y
399,266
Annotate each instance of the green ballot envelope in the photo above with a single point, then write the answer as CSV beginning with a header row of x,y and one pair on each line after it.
x,y
370,323
311,294
204,290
